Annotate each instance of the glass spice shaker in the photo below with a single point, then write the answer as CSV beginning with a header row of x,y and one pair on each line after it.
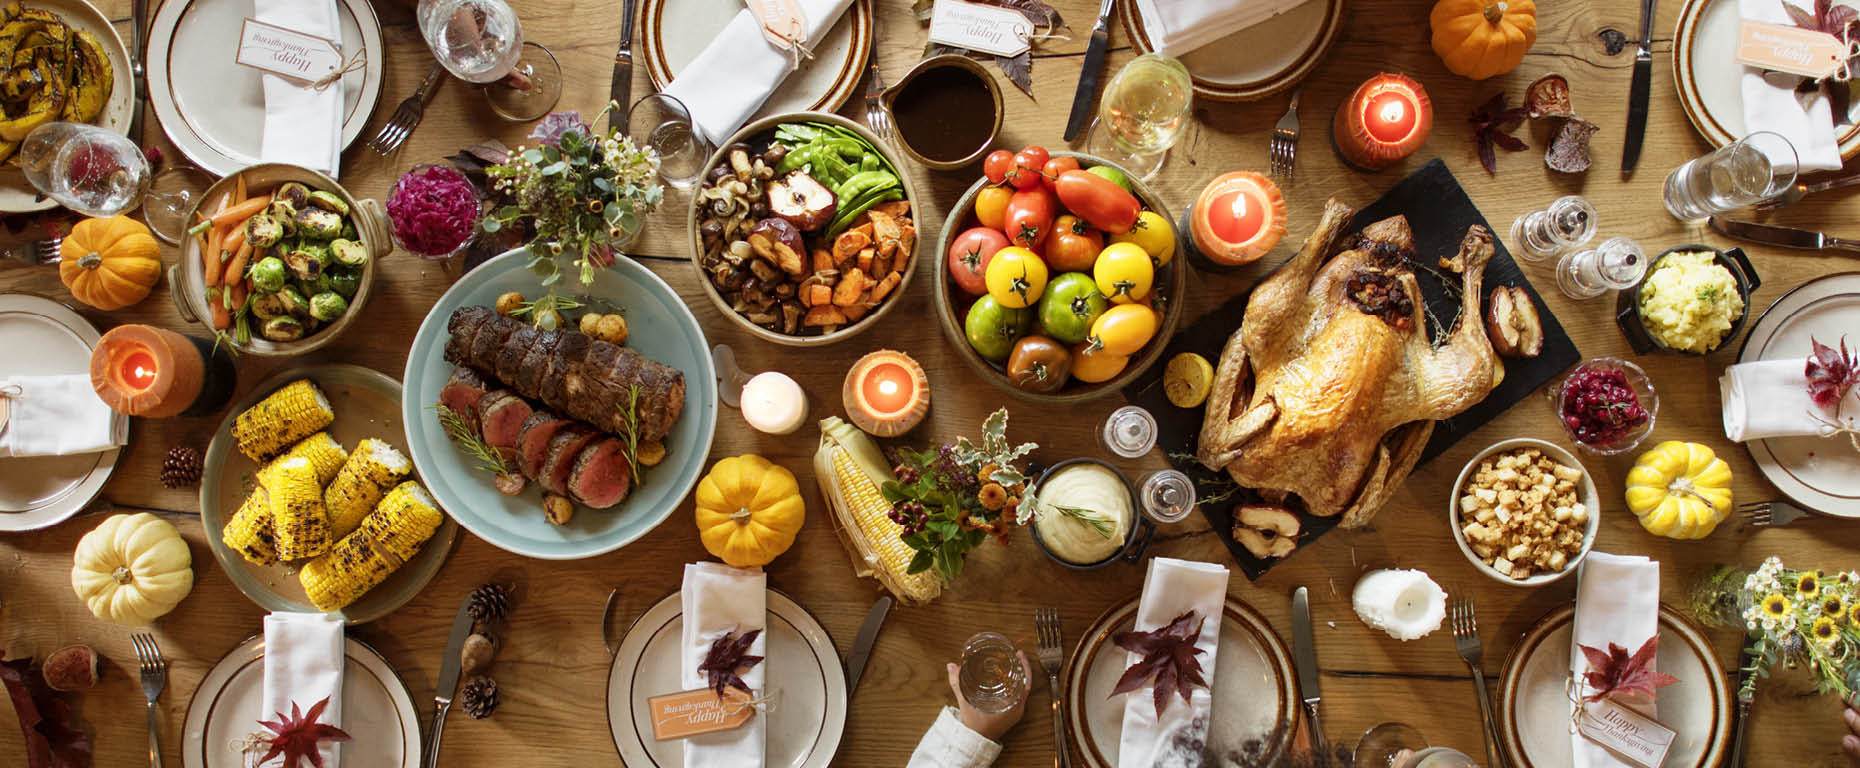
x,y
1615,265
1168,495
1129,432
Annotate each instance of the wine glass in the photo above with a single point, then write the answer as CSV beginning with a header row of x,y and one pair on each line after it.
x,y
991,674
480,41
1380,745
661,122
1143,112
172,193
91,170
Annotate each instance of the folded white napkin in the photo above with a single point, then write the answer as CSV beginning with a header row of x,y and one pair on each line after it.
x,y
1617,601
738,71
1176,27
303,125
1769,399
719,599
56,416
1171,588
1771,103
303,664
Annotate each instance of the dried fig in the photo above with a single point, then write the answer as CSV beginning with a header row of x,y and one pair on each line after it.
x,y
1549,97
1569,149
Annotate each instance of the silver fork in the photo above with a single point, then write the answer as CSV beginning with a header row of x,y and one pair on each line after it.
x,y
406,117
1766,514
1465,625
1283,153
876,115
1052,653
154,679
38,252
1794,194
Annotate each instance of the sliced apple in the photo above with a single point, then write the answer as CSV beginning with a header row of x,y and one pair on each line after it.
x,y
1511,322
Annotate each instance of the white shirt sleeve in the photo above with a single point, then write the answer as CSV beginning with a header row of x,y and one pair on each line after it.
x,y
950,744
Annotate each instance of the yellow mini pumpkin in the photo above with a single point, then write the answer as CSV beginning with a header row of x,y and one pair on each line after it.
x,y
109,263
1483,38
132,569
749,510
1679,490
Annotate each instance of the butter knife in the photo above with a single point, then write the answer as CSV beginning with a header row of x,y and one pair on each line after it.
x,y
1304,653
138,40
448,682
1638,90
1746,665
1787,237
621,89
862,644
1088,72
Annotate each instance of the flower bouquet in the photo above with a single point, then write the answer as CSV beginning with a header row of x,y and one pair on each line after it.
x,y
952,498
1796,618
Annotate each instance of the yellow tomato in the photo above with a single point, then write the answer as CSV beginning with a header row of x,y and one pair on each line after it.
x,y
1124,329
991,206
1093,366
1154,235
1016,277
1123,272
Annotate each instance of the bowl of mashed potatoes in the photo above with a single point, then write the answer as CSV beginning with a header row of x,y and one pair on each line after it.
x,y
1086,515
1693,300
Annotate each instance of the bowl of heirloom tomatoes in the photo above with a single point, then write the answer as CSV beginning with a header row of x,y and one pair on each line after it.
x,y
1061,278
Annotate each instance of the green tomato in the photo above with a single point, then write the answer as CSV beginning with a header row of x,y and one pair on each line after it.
x,y
992,329
1072,302
1116,176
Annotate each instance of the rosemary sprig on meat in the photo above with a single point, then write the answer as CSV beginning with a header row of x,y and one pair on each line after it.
x,y
631,414
484,457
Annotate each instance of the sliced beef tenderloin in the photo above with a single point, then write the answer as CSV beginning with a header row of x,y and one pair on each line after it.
x,y
564,447
460,328
461,393
533,440
510,356
535,365
601,476
500,420
489,341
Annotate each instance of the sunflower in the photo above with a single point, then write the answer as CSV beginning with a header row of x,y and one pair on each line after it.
x,y
1824,632
1833,605
1776,606
1853,615
1807,585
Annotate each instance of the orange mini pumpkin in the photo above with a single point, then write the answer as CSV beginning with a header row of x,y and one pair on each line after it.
x,y
1482,38
109,263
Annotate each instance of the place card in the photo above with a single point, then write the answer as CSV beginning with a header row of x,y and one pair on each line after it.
x,y
287,53
1794,50
689,713
783,22
1627,733
985,28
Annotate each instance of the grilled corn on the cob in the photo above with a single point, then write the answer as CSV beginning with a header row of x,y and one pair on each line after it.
x,y
371,470
301,523
390,536
325,454
851,469
292,413
249,532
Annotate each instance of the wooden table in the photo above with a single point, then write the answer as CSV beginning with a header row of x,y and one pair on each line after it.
x,y
552,670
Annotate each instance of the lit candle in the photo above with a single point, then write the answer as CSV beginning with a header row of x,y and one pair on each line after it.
x,y
142,370
1237,218
1385,120
886,393
774,403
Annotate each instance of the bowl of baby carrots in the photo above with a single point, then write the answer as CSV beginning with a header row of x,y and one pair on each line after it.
x,y
278,259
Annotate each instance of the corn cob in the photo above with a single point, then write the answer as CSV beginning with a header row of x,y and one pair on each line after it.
x,y
371,470
295,411
325,454
249,532
851,469
301,524
390,536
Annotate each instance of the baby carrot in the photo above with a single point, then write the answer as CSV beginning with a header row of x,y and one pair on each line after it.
x,y
235,238
240,210
239,186
214,269
222,317
235,269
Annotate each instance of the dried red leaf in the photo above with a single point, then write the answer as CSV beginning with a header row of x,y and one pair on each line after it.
x,y
1168,655
1614,671
728,654
1492,124
54,735
1831,374
299,737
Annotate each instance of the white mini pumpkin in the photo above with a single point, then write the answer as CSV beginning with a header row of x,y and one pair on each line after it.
x,y
132,569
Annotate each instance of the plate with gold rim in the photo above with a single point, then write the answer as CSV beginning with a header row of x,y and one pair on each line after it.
x,y
42,491
673,32
1256,62
1821,474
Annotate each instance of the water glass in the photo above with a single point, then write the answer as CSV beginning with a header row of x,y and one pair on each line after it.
x,y
1751,170
1567,223
1615,265
1142,114
661,122
991,675
91,170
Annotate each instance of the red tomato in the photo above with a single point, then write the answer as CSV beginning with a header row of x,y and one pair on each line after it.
x,y
997,165
1030,217
1098,200
969,254
1073,246
1050,172
1026,171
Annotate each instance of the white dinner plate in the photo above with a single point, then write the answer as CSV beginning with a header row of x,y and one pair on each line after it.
x,y
1821,474
44,337
213,109
16,194
805,681
1708,77
1256,62
1534,704
377,710
1255,699
673,32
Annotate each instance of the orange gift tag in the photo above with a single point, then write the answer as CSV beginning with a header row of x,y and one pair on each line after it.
x,y
1794,50
783,22
689,713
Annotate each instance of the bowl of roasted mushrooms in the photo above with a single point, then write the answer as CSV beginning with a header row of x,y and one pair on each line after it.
x,y
804,228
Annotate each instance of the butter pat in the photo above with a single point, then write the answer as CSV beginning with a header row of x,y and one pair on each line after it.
x,y
1406,604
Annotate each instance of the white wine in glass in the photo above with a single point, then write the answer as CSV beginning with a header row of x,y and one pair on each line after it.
x,y
1142,113
481,41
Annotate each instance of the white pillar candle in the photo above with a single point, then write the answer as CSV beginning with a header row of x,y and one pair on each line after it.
x,y
1406,604
774,403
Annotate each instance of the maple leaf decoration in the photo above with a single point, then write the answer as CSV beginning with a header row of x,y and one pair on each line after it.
x,y
1614,671
299,736
1839,21
1492,125
727,654
54,735
1830,373
1168,654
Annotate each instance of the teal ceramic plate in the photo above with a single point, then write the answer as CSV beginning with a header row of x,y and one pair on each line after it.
x,y
367,404
659,327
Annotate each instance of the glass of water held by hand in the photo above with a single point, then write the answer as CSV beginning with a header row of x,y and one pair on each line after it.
x,y
661,122
1753,169
1142,113
87,169
480,41
1615,265
991,675
1567,223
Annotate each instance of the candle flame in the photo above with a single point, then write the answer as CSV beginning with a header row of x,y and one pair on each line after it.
x,y
1239,206
888,386
1392,111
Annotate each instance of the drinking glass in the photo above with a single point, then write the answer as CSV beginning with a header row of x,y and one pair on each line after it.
x,y
1129,432
480,41
87,169
1441,757
991,675
1379,745
1753,169
661,122
1567,223
1168,495
1615,265
1142,113
171,194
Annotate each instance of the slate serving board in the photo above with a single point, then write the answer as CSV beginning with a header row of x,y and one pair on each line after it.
x,y
1439,212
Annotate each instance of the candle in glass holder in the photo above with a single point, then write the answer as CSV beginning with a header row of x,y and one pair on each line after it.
x,y
141,370
774,403
1237,218
886,393
1385,120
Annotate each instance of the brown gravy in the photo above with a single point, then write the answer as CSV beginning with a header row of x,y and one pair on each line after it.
x,y
944,113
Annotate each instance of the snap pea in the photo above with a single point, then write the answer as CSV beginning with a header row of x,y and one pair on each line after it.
x,y
863,182
850,213
870,162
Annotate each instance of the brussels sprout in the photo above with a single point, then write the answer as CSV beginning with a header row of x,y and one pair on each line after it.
x,y
327,306
293,301
268,305
283,328
294,193
286,215
345,282
305,263
348,231
328,201
318,224
269,274
263,231
348,252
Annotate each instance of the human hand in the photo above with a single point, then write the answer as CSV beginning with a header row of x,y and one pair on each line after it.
x,y
1850,743
991,726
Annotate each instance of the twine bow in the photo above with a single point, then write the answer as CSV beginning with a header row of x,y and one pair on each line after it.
x,y
354,63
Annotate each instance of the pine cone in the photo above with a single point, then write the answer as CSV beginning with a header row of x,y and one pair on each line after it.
x,y
479,697
182,467
490,602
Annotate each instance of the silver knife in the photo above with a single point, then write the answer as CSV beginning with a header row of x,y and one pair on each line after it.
x,y
1744,669
1787,237
621,89
138,72
1638,89
1304,653
448,682
1088,72
862,644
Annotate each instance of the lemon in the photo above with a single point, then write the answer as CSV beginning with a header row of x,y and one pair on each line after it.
x,y
1187,380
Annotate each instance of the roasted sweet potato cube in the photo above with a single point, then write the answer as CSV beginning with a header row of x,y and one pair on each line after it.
x,y
849,288
824,315
855,310
882,264
865,259
896,209
886,286
823,260
884,227
850,242
907,239
816,294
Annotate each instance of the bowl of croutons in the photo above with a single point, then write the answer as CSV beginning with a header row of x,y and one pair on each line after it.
x,y
1525,512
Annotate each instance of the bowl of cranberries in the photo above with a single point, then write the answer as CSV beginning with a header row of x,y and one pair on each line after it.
x,y
1606,405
